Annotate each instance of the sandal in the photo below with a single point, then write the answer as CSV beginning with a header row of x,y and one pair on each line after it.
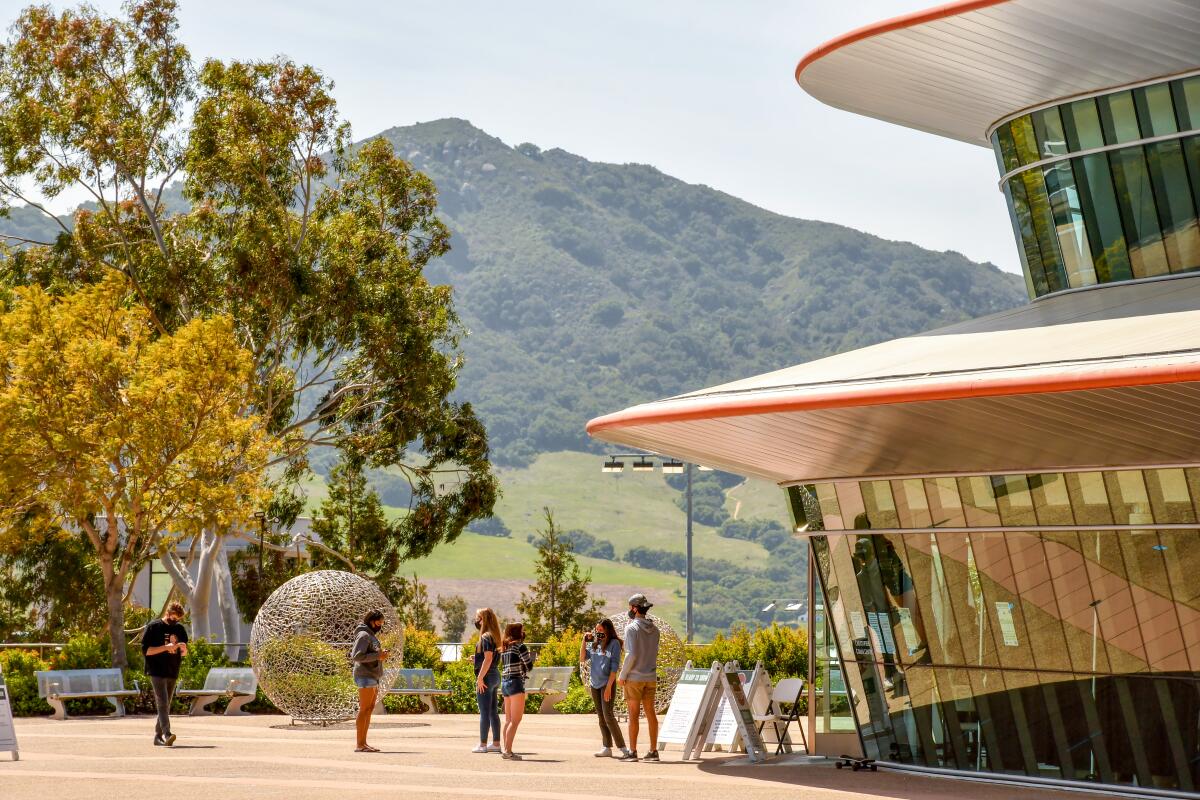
x,y
367,749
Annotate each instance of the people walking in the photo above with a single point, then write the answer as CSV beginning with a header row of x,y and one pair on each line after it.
x,y
601,649
515,661
164,644
639,676
487,679
367,655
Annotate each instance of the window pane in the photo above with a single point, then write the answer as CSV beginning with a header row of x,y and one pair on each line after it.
x,y
1170,500
1118,118
1051,498
1013,500
881,509
831,512
1044,230
1136,198
944,505
1155,109
1106,235
1187,102
854,513
1068,224
1173,193
911,504
978,501
1025,140
1047,127
1128,497
1089,498
1006,149
1022,222
1081,124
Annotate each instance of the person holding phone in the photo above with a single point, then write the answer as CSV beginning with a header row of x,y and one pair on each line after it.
x,y
164,645
601,650
368,656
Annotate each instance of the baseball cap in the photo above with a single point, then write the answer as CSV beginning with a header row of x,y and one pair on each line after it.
x,y
640,601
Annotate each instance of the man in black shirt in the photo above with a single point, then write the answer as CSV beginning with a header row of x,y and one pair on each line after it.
x,y
164,644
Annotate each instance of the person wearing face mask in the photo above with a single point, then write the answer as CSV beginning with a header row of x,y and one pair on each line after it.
x,y
601,649
487,679
164,644
639,675
367,655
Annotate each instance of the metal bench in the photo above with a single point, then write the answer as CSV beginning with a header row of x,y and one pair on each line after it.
x,y
237,683
61,685
417,682
550,682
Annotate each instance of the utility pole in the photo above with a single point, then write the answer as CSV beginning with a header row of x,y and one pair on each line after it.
x,y
689,552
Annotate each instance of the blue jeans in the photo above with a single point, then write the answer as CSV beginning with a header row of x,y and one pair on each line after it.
x,y
489,712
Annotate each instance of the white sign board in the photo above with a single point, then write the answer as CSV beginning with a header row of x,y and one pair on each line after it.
x,y
8,735
752,740
724,730
685,705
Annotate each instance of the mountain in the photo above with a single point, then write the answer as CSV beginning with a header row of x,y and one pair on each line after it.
x,y
588,286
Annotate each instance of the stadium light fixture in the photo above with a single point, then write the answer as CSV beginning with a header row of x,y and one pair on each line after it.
x,y
672,467
643,465
612,465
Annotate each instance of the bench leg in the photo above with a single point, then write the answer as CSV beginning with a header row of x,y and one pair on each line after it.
x,y
234,709
427,700
379,709
59,706
198,705
118,706
548,701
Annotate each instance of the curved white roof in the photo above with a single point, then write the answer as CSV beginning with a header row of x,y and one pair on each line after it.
x,y
957,69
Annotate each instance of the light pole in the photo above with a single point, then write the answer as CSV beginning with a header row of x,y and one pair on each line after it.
x,y
670,466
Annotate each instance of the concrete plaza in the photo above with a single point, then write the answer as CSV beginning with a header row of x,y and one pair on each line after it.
x,y
424,756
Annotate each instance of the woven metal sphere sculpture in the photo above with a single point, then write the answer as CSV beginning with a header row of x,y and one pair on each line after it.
x,y
671,657
300,643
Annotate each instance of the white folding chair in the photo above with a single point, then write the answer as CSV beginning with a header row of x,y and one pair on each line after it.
x,y
786,693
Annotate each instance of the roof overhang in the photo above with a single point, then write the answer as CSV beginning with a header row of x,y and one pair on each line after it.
x,y
1107,377
957,69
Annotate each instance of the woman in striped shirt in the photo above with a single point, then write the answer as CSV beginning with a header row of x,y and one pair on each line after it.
x,y
515,661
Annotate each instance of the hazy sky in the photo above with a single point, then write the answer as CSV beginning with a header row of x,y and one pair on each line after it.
x,y
702,90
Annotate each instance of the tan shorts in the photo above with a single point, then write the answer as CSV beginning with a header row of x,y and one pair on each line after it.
x,y
637,691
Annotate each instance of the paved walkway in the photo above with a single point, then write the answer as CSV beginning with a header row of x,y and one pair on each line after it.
x,y
425,756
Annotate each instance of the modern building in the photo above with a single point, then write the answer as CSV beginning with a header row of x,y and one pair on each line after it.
x,y
1004,515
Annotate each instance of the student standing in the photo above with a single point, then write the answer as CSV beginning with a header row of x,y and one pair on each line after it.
x,y
601,648
639,675
487,679
368,656
164,644
515,663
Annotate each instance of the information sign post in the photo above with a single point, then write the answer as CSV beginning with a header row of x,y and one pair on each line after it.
x,y
8,735
752,740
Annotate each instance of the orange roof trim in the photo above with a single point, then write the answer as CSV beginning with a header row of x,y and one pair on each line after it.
x,y
953,387
895,23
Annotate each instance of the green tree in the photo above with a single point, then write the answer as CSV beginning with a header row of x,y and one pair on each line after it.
x,y
50,584
411,599
120,437
315,250
351,524
454,616
559,599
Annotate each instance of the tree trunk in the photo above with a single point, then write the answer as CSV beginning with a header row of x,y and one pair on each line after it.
x,y
114,597
197,593
231,628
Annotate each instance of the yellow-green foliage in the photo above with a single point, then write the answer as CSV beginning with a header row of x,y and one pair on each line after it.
x,y
18,667
561,650
420,649
782,650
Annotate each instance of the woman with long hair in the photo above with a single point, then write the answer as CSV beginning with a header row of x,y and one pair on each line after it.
x,y
487,679
367,655
601,649
516,660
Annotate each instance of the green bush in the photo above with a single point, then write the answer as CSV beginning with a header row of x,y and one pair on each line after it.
x,y
86,651
421,650
18,667
577,701
459,677
561,650
782,650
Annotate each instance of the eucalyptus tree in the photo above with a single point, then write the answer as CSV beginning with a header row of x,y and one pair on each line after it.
x,y
233,188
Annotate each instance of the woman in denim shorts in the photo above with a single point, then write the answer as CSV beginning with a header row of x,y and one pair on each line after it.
x,y
515,661
368,656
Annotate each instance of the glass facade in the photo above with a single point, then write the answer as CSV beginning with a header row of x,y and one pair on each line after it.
x,y
1091,200
1007,624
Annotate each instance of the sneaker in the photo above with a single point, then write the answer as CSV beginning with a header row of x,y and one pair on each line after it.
x,y
628,755
651,756
604,752
483,748
495,748
158,742
170,740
